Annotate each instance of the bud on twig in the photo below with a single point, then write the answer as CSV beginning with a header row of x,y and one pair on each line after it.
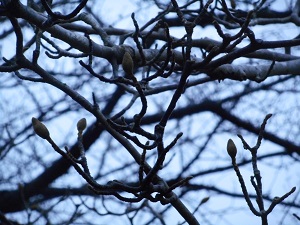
x,y
204,200
127,64
231,149
81,125
40,129
233,4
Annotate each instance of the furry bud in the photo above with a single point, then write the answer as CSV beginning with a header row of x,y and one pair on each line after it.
x,y
40,129
204,200
231,149
127,64
81,125
233,4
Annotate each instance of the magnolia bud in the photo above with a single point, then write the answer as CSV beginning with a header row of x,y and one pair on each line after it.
x,y
204,200
127,64
233,4
81,124
40,129
231,149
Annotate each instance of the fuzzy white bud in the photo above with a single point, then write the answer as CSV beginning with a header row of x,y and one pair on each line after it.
x,y
40,129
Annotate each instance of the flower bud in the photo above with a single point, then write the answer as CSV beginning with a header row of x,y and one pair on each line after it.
x,y
204,200
81,124
39,128
232,4
231,149
127,64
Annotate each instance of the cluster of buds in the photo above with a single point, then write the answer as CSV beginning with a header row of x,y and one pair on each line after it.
x,y
41,130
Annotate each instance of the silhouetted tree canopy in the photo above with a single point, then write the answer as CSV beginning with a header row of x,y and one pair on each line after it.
x,y
149,112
